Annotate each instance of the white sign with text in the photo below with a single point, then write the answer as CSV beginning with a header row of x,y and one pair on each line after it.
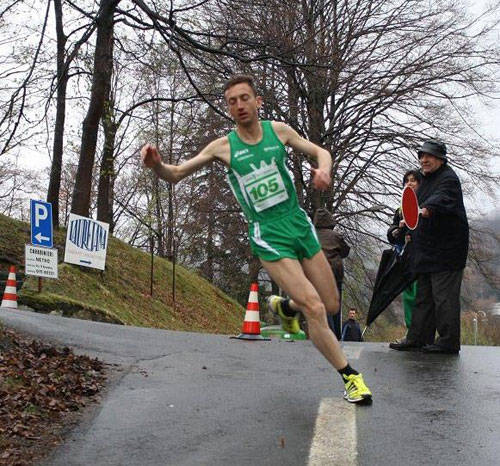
x,y
40,261
86,242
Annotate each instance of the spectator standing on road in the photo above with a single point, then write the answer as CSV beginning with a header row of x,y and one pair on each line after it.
x,y
398,235
335,249
351,331
440,244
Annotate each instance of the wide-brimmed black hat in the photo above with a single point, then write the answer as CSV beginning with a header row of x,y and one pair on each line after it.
x,y
433,147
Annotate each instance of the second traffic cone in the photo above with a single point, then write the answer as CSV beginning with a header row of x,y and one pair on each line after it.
x,y
251,324
10,293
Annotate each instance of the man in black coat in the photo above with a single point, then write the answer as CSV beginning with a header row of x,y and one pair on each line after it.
x,y
440,243
351,331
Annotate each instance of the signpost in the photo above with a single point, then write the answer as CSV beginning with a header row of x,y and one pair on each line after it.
x,y
40,259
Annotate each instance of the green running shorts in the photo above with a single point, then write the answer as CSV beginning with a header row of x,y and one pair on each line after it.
x,y
292,236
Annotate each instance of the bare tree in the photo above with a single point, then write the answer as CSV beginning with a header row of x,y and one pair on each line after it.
x,y
101,82
64,60
369,80
16,100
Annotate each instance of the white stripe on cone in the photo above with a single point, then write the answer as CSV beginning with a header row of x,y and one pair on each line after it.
x,y
252,316
12,303
9,303
253,297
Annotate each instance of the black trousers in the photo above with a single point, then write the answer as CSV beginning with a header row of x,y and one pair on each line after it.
x,y
437,307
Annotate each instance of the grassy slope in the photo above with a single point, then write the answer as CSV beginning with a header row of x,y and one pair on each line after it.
x,y
122,292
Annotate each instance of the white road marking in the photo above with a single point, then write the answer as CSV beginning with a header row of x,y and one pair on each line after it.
x,y
334,441
352,352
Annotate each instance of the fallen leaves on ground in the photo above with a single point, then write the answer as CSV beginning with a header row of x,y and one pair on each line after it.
x,y
40,387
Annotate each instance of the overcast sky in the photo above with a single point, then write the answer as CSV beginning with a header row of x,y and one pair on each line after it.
x,y
488,127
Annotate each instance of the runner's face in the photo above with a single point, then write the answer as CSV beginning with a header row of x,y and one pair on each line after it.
x,y
429,163
352,315
411,182
243,104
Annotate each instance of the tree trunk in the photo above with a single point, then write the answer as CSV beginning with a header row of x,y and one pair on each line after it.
x,y
208,266
106,173
170,208
62,82
101,82
254,267
316,94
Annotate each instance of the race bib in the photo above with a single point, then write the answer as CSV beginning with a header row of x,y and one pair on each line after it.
x,y
265,186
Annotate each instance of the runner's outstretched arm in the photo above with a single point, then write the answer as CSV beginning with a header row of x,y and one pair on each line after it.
x,y
290,137
174,173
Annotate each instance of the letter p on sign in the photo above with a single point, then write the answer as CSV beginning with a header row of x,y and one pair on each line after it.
x,y
41,213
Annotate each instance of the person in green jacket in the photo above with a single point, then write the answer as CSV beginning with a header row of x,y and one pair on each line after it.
x,y
281,234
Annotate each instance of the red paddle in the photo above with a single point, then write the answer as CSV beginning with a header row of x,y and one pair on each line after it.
x,y
410,208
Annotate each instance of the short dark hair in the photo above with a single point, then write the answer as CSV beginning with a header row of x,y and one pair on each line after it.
x,y
415,173
353,309
238,79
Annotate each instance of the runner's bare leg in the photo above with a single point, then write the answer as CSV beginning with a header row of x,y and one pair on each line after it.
x,y
289,276
319,273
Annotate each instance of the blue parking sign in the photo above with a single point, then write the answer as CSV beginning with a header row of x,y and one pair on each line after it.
x,y
41,223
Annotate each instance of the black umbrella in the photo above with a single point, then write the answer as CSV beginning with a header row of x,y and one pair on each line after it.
x,y
393,276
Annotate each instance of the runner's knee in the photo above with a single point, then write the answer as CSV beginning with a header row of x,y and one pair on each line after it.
x,y
314,307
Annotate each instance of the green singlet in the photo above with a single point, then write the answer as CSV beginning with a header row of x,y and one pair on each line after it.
x,y
262,184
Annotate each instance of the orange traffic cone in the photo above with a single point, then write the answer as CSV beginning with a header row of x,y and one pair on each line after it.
x,y
251,324
10,293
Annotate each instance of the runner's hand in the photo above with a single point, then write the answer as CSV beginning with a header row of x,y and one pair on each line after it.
x,y
150,156
321,180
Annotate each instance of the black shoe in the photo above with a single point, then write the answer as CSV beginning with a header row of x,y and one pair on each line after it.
x,y
436,349
400,340
405,345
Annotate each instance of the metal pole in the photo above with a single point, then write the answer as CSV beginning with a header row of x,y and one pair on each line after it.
x,y
152,268
475,330
173,272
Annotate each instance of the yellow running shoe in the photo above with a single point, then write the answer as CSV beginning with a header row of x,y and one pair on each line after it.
x,y
356,390
288,324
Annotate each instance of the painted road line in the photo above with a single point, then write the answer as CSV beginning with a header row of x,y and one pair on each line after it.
x,y
334,441
352,352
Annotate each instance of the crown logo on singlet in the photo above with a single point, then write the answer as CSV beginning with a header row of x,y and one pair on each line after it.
x,y
264,165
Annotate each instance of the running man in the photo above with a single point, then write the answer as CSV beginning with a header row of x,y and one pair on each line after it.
x,y
281,234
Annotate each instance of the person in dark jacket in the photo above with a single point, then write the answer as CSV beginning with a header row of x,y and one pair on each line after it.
x,y
398,235
440,244
351,330
335,249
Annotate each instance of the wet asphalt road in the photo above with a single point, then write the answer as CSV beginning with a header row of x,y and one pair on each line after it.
x,y
196,399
